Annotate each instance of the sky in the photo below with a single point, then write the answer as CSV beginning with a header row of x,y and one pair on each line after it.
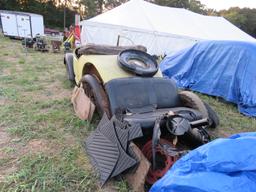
x,y
226,4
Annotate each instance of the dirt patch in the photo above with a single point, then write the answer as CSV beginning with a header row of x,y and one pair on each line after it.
x,y
56,94
7,170
54,91
4,138
69,140
38,146
11,59
18,68
10,167
12,149
6,72
4,101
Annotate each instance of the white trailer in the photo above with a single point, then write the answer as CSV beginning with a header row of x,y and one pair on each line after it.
x,y
21,24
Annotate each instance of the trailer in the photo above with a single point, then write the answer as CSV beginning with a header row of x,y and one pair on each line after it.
x,y
21,24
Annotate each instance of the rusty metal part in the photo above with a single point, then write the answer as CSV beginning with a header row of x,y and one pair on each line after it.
x,y
199,123
164,161
155,140
136,178
91,70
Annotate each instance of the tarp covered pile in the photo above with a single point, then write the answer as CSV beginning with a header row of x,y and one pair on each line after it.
x,y
221,165
225,69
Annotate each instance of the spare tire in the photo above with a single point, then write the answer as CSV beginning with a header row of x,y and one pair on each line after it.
x,y
191,100
138,62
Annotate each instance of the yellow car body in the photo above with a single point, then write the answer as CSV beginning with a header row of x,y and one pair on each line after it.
x,y
106,66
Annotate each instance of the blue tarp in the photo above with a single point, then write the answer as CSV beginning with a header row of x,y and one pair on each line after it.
x,y
223,165
225,69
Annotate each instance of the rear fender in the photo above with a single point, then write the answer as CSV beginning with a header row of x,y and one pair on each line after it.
x,y
90,69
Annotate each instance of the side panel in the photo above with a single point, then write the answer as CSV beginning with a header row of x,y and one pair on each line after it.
x,y
24,28
9,24
37,23
106,66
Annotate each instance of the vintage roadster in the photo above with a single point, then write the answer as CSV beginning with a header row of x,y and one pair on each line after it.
x,y
147,124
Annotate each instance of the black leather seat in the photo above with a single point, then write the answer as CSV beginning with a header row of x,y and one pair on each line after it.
x,y
145,99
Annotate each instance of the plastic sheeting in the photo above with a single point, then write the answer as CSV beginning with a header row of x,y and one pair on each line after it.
x,y
223,165
225,69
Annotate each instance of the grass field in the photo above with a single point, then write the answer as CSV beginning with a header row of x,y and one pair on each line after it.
x,y
40,137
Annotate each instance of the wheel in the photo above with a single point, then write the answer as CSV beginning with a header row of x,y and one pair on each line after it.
x,y
94,90
191,100
68,61
138,62
213,117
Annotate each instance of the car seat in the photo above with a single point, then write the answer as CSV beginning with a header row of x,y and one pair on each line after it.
x,y
143,100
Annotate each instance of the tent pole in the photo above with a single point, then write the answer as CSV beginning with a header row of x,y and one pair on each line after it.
x,y
118,39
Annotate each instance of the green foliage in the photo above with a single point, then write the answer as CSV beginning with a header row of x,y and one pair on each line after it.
x,y
41,138
92,7
59,172
58,163
110,4
52,12
9,4
196,6
173,3
244,18
95,7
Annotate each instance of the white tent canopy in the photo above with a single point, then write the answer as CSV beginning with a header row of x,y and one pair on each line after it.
x,y
161,29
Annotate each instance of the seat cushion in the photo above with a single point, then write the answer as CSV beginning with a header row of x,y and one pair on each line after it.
x,y
147,120
136,92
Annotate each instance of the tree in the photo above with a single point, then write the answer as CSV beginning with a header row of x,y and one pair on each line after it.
x,y
51,10
110,4
95,7
244,18
91,7
234,16
172,3
9,4
197,7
